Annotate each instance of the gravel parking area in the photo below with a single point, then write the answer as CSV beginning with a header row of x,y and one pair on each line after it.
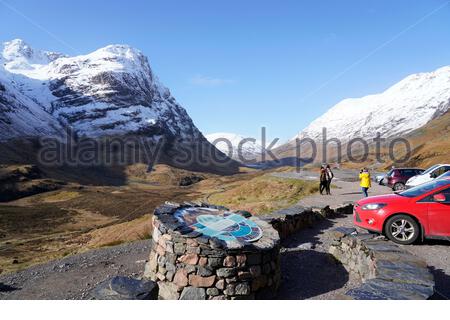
x,y
435,253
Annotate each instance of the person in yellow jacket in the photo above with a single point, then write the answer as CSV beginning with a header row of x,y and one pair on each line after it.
x,y
364,178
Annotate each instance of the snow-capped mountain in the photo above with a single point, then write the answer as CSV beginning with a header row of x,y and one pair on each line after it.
x,y
109,92
234,145
404,107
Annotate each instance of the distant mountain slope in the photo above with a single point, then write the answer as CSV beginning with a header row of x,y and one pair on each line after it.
x,y
109,92
234,145
404,107
397,112
431,143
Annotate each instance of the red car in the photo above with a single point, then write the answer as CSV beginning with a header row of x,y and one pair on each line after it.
x,y
422,211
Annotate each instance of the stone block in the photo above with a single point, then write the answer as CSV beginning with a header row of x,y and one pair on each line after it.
x,y
226,272
204,272
214,262
377,289
229,290
179,248
125,288
229,261
181,278
189,258
220,284
203,261
191,293
168,291
212,292
241,259
242,289
201,282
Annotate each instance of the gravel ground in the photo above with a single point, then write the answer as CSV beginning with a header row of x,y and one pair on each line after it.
x,y
314,273
74,276
322,277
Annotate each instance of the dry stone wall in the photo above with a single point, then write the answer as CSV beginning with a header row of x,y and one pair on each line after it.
x,y
290,220
387,272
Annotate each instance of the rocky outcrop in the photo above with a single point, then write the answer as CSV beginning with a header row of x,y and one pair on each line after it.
x,y
387,272
21,181
125,288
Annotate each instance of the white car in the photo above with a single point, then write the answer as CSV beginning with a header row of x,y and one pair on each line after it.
x,y
379,178
428,175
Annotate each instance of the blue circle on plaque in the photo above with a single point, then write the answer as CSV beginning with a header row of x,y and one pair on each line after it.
x,y
220,224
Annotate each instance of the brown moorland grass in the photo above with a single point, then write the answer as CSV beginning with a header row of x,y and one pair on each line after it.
x,y
264,194
76,218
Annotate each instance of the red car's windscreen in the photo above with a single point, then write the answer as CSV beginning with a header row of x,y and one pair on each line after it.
x,y
424,188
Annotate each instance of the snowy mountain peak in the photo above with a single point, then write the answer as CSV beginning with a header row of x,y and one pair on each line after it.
x,y
107,92
404,107
234,144
17,54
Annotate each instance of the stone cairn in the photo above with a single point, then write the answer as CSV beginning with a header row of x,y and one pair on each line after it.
x,y
189,265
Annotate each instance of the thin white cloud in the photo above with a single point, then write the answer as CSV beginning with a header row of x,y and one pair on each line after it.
x,y
206,81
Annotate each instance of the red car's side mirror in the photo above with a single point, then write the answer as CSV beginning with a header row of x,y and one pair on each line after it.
x,y
440,197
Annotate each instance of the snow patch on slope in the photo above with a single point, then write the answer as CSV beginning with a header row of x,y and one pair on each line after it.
x,y
231,144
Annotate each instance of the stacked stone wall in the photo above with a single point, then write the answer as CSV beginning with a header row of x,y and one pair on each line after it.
x,y
386,271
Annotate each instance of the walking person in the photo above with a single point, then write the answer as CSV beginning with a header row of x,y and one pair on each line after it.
x,y
323,180
330,176
364,178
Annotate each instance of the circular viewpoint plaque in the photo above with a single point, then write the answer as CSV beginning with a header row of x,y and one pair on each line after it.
x,y
220,224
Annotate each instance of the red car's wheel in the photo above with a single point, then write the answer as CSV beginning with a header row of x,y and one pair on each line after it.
x,y
402,229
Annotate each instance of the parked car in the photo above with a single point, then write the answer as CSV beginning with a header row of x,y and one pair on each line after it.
x,y
428,175
445,175
420,212
396,178
380,178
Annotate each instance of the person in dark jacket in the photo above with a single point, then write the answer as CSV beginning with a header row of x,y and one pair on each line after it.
x,y
323,179
330,176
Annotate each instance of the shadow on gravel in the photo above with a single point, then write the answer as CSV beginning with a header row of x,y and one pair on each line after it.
x,y
442,289
309,273
7,288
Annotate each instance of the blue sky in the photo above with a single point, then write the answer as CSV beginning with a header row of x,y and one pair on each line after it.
x,y
239,65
